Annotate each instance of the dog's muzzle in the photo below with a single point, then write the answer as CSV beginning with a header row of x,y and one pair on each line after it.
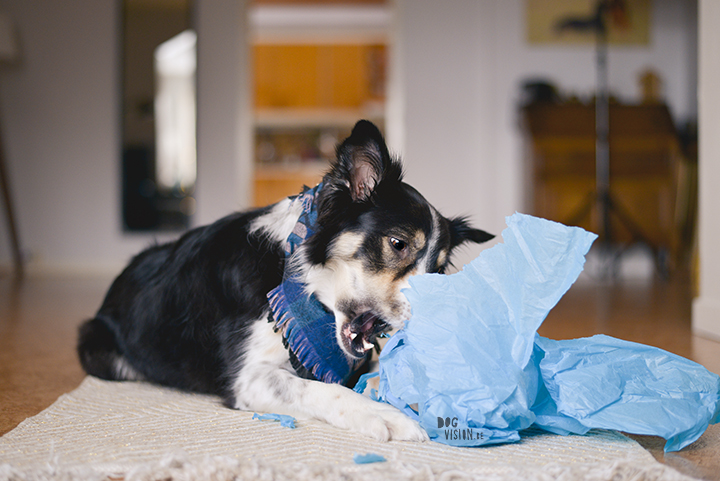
x,y
360,334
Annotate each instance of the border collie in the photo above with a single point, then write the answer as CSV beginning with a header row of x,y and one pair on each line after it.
x,y
196,314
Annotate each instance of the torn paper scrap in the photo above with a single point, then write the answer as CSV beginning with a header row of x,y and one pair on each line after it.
x,y
368,458
285,421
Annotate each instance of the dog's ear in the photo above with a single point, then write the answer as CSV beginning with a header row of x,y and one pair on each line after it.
x,y
461,232
363,161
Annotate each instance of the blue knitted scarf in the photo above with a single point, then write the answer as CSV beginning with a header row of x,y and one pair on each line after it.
x,y
307,326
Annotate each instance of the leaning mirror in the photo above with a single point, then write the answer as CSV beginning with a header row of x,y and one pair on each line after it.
x,y
159,110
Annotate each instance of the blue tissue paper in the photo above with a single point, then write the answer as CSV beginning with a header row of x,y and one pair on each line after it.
x,y
602,382
472,370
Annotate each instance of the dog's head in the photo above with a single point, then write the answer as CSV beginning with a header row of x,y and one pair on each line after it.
x,y
373,232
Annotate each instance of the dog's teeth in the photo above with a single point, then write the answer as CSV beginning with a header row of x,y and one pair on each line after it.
x,y
353,335
367,346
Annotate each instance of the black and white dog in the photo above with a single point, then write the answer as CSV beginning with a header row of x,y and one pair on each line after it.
x,y
194,314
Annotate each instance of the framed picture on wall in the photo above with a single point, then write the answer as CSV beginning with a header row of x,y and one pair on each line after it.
x,y
570,22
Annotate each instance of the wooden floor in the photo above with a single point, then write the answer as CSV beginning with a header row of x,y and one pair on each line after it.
x,y
39,317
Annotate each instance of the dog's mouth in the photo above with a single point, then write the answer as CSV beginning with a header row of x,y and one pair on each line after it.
x,y
360,335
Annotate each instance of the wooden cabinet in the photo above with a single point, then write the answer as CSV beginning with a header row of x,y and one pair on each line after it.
x,y
644,156
318,76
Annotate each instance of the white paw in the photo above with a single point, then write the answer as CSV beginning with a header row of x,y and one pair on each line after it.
x,y
403,428
383,422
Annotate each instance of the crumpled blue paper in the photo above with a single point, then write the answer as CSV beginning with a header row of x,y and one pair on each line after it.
x,y
643,390
472,370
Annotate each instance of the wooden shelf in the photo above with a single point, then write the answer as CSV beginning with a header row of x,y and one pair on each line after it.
x,y
314,117
350,22
275,182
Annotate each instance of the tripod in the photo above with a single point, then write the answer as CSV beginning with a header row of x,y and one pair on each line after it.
x,y
602,198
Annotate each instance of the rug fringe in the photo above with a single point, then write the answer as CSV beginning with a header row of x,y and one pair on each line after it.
x,y
177,466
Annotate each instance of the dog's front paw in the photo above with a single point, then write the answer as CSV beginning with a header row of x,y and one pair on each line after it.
x,y
402,427
383,422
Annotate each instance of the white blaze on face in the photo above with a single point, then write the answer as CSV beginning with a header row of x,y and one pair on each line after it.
x,y
428,263
337,278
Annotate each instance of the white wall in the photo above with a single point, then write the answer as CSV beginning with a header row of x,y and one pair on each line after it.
x,y
706,308
224,110
60,122
60,117
457,77
443,126
454,120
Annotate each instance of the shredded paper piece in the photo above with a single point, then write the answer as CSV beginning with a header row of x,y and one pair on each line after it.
x,y
471,368
368,458
285,421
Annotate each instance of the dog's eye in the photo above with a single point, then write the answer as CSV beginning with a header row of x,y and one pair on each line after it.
x,y
397,244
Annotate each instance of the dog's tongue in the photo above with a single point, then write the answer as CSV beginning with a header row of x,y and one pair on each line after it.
x,y
371,325
362,332
368,322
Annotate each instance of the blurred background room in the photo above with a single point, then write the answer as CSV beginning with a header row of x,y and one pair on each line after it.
x,y
126,122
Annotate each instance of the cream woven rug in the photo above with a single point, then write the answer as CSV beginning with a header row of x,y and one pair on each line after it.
x,y
138,431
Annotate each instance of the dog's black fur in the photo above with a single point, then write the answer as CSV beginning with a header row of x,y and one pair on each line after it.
x,y
179,311
192,314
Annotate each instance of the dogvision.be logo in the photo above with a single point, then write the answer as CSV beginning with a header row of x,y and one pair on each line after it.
x,y
455,433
